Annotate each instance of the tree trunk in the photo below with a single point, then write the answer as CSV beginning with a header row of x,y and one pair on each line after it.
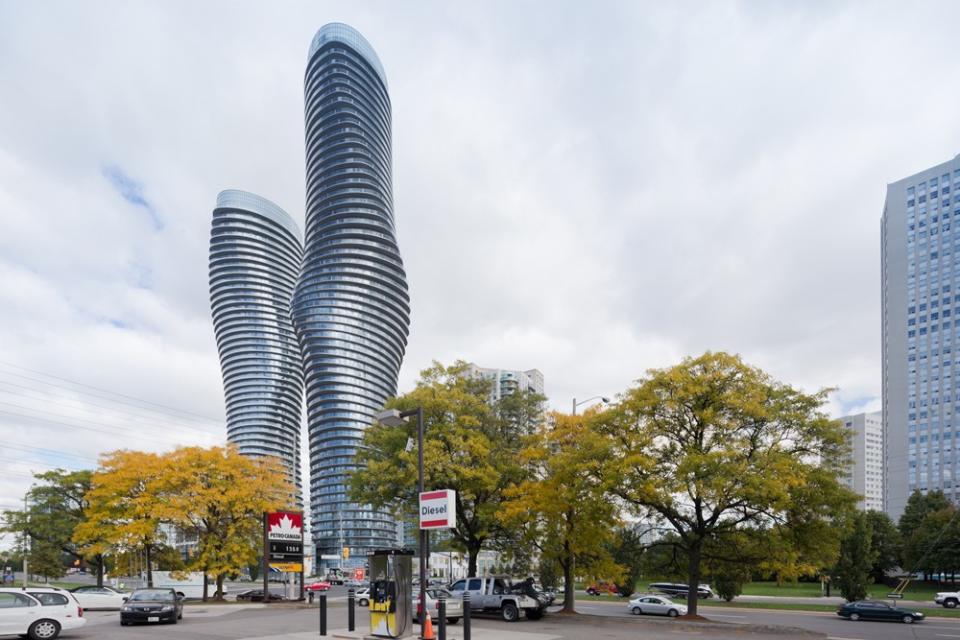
x,y
149,569
693,577
472,553
205,596
569,602
98,560
219,594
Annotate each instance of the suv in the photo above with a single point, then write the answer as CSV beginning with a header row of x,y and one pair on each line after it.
x,y
949,599
679,589
38,613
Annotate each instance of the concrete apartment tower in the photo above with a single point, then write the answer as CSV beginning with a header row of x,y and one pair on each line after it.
x,y
351,308
865,473
255,257
921,334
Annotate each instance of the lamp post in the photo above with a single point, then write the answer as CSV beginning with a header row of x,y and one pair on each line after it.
x,y
395,418
603,399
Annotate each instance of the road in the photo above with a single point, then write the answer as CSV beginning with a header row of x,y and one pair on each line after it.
x,y
825,622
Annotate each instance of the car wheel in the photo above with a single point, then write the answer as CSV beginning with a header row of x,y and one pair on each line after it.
x,y
673,613
453,620
123,623
950,604
509,612
362,602
854,616
908,619
636,611
44,630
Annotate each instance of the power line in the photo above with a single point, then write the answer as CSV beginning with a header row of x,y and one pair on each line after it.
x,y
81,384
50,452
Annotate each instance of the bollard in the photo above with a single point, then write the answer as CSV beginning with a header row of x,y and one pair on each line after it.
x,y
310,597
351,618
466,615
442,612
323,614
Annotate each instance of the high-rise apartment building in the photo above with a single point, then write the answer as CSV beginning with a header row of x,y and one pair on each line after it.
x,y
921,334
351,308
865,472
255,258
506,381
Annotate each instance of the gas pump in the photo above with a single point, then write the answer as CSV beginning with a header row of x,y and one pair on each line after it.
x,y
391,573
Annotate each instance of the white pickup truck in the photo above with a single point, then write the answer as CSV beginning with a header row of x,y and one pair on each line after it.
x,y
949,599
498,593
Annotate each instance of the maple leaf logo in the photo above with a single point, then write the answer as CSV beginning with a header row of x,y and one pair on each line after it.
x,y
284,529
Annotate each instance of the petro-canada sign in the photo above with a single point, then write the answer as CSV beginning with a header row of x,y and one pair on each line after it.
x,y
285,525
283,541
438,509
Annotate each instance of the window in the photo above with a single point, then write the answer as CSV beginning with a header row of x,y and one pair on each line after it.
x,y
474,584
11,600
50,599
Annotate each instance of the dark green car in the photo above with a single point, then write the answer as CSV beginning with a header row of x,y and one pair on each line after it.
x,y
874,610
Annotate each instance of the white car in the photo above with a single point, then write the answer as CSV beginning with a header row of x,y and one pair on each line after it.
x,y
949,599
94,597
38,613
656,605
363,597
454,605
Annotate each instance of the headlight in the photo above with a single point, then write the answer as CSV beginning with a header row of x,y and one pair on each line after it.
x,y
169,607
126,607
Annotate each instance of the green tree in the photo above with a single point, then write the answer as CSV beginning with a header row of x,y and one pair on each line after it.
x,y
712,445
471,446
627,550
563,509
919,506
934,546
886,543
856,559
55,506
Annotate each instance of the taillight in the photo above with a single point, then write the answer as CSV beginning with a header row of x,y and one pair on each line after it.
x,y
79,612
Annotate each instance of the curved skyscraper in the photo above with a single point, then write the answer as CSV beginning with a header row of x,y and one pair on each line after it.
x,y
255,254
351,307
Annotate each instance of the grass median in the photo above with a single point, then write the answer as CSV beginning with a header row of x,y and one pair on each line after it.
x,y
930,612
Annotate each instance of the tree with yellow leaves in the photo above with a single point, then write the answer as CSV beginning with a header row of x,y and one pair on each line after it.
x,y
122,502
220,496
562,508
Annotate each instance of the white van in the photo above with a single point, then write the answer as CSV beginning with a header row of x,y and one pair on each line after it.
x,y
190,587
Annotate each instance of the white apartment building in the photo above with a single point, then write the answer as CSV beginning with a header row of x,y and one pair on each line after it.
x,y
506,381
865,475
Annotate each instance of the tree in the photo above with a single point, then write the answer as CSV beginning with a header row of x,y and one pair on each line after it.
x,y
728,580
55,506
934,546
470,446
123,501
627,550
711,446
856,559
886,543
220,496
919,506
562,508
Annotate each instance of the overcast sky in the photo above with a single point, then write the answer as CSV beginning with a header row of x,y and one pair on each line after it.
x,y
590,189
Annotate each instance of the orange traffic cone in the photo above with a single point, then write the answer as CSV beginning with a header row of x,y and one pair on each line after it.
x,y
428,629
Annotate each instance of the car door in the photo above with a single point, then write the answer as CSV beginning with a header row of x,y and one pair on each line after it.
x,y
17,611
658,606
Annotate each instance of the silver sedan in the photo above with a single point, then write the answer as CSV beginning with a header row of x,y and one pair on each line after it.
x,y
656,605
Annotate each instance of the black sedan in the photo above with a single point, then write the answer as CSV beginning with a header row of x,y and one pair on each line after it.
x,y
152,605
256,595
874,610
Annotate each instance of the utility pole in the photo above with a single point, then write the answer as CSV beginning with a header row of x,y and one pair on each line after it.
x,y
26,544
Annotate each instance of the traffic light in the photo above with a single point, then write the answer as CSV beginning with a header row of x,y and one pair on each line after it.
x,y
346,553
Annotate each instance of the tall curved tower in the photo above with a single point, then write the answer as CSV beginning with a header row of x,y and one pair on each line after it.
x,y
255,254
351,307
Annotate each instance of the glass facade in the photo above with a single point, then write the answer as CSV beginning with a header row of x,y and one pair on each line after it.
x,y
255,255
351,306
921,331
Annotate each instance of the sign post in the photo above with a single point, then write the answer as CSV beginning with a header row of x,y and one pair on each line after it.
x,y
282,546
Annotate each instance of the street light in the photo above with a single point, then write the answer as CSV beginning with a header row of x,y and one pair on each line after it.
x,y
603,399
395,418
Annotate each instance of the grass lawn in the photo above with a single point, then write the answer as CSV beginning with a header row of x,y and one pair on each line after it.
x,y
930,612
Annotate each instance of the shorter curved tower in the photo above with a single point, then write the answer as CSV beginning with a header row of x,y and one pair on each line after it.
x,y
255,254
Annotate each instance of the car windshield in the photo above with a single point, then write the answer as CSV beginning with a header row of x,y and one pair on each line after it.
x,y
152,595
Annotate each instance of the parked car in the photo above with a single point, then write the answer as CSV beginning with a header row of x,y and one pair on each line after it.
x,y
454,605
322,585
874,610
656,605
94,597
363,597
680,589
39,613
152,605
603,589
256,595
949,599
499,593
